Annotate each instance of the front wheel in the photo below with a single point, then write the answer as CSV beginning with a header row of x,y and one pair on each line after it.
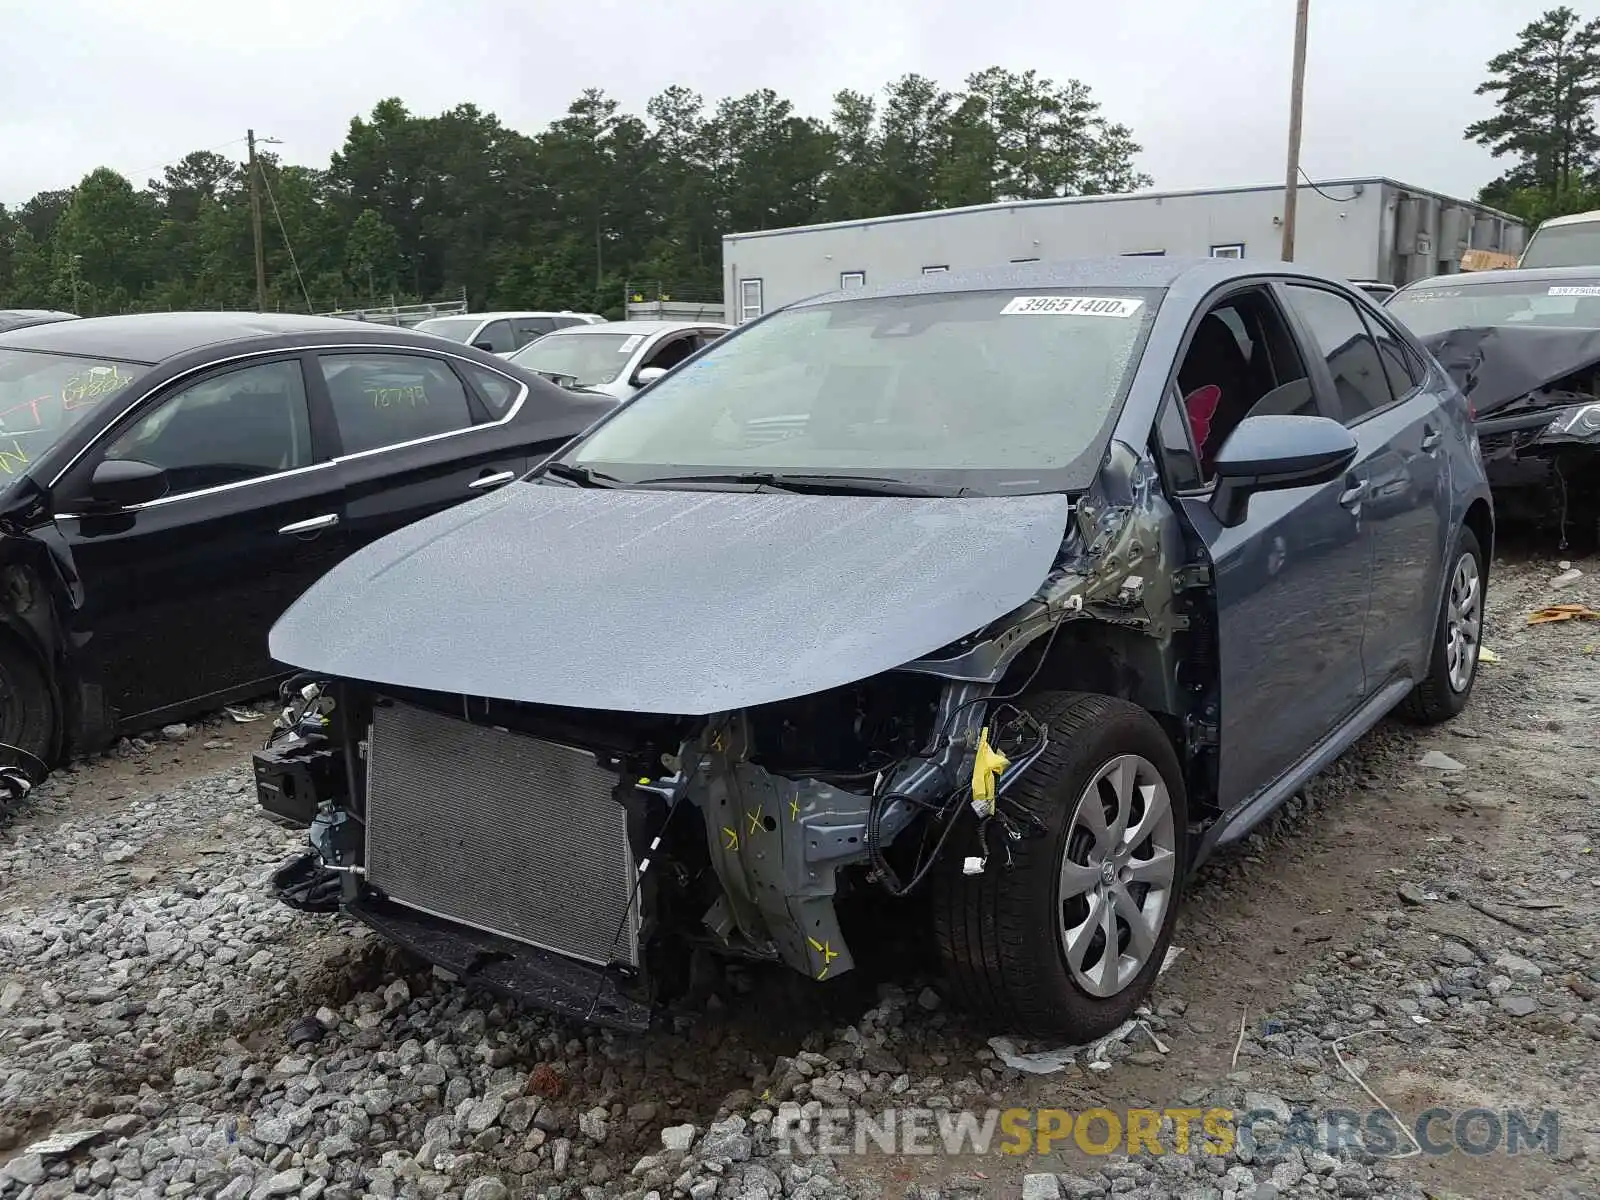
x,y
1067,941
1453,659
27,715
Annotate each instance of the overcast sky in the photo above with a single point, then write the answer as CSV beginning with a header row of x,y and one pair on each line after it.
x,y
1204,85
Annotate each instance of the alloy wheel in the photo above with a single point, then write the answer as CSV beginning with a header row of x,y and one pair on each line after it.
x,y
1463,622
1118,869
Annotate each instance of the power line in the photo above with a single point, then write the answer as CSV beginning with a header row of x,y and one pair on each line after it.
x,y
287,245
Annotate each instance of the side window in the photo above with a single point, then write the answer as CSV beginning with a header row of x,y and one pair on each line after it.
x,y
498,392
383,399
1341,338
1240,361
497,337
569,322
244,424
750,299
1177,447
1404,377
672,352
531,329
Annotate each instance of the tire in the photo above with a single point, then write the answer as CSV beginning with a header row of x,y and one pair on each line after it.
x,y
1441,694
27,713
1001,933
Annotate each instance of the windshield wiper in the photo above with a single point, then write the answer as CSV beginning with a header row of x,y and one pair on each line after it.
x,y
584,476
841,485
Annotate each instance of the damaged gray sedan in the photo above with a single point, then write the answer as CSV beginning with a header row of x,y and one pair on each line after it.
x,y
990,604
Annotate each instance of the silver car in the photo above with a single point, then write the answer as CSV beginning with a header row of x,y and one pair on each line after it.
x,y
618,357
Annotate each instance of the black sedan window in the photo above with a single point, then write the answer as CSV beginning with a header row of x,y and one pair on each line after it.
x,y
239,425
385,399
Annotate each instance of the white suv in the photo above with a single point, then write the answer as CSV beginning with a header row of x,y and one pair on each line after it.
x,y
503,333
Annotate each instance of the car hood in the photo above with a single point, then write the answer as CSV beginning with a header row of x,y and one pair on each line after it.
x,y
1498,365
681,602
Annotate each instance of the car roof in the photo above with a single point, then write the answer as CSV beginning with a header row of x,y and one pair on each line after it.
x,y
500,316
1582,218
1506,275
154,337
631,327
37,312
1122,271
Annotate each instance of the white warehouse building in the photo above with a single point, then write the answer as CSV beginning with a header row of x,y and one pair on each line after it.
x,y
1369,229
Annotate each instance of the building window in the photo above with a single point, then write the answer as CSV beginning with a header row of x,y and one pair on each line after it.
x,y
852,279
936,270
749,299
1232,250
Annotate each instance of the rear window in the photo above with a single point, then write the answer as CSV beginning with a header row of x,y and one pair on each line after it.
x,y
1564,246
1437,308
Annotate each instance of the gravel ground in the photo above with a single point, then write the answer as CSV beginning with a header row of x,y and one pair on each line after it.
x,y
1435,924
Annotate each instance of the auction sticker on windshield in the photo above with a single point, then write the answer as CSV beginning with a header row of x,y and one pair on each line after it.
x,y
1073,306
1585,290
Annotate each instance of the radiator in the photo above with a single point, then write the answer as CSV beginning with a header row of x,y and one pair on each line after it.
x,y
503,832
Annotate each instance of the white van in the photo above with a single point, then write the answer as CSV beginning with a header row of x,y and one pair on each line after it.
x,y
1565,242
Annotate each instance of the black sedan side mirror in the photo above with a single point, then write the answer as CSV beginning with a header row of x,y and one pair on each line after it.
x,y
123,482
1274,453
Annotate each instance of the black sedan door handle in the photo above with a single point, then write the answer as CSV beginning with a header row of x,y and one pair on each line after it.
x,y
1431,438
495,480
326,521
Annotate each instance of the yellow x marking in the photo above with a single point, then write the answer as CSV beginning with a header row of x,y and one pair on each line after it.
x,y
731,837
828,955
794,809
754,816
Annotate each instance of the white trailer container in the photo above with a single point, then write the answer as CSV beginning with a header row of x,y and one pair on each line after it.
x,y
1374,229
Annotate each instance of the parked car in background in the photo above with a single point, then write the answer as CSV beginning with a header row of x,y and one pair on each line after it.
x,y
1571,241
1524,345
170,482
975,627
1377,290
21,318
502,332
619,357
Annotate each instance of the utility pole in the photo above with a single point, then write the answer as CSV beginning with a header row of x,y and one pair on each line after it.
x,y
255,223
1291,187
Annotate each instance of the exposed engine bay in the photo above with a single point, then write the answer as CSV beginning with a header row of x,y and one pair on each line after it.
x,y
581,858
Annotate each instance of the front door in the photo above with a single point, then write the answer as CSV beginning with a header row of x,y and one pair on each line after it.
x,y
174,598
1293,580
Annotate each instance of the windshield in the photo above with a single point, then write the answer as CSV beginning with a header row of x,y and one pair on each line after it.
x,y
1573,303
590,358
42,396
983,390
457,329
1564,246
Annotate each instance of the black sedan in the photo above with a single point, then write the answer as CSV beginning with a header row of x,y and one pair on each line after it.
x,y
170,482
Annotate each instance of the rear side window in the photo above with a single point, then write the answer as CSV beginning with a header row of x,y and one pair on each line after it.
x,y
385,399
1341,338
1403,371
498,392
496,337
530,329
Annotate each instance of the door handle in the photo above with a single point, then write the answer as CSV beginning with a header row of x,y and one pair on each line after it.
x,y
499,477
326,521
1351,497
1431,438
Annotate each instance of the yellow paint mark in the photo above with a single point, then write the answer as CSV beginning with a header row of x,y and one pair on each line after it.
x,y
718,744
828,955
730,836
754,816
794,809
12,458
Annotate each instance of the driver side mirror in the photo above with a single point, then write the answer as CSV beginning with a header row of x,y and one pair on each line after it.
x,y
484,345
124,482
648,375
1275,453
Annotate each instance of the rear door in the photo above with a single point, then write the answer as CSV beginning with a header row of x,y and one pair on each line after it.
x,y
417,433
1400,467
175,596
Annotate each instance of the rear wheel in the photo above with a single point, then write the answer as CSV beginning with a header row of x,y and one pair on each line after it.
x,y
27,715
1067,941
1453,662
